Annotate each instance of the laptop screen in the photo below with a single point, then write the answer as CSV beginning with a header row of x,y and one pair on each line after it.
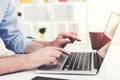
x,y
108,34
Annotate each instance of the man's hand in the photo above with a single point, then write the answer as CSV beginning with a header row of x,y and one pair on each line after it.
x,y
45,55
65,38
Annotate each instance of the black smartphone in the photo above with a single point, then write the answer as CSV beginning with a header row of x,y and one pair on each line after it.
x,y
46,78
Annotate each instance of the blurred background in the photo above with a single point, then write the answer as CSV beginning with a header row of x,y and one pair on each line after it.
x,y
45,19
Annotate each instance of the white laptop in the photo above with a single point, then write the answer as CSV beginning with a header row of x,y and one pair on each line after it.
x,y
85,62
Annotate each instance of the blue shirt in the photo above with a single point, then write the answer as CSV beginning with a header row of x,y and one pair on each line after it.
x,y
9,31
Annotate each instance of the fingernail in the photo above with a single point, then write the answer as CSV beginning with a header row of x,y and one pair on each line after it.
x,y
69,53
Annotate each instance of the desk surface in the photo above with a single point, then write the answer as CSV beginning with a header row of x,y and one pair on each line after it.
x,y
110,70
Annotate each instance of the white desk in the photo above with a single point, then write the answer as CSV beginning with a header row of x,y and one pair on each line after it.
x,y
110,70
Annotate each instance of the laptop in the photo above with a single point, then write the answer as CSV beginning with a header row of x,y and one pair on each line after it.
x,y
87,63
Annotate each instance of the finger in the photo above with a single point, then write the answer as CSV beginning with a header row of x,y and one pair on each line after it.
x,y
63,51
73,33
71,36
66,40
56,54
53,60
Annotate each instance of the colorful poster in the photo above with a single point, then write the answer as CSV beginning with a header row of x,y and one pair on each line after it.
x,y
62,0
46,1
25,1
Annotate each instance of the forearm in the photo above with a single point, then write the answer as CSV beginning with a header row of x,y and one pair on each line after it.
x,y
35,45
14,63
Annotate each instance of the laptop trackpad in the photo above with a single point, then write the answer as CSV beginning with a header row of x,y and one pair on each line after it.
x,y
54,67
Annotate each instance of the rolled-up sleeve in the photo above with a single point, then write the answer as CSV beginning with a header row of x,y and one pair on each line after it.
x,y
10,32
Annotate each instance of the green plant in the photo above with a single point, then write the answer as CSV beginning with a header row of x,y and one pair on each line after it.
x,y
42,30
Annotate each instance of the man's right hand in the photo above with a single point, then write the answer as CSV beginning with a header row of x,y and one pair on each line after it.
x,y
45,55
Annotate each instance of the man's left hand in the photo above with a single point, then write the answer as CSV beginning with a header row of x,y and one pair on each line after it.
x,y
65,38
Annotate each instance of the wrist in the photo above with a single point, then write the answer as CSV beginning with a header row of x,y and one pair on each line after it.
x,y
51,43
35,45
33,61
27,62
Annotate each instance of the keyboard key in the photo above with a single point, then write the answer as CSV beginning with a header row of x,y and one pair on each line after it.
x,y
86,62
81,62
66,65
77,61
72,62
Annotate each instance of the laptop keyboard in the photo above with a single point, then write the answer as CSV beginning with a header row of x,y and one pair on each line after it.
x,y
97,61
78,61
